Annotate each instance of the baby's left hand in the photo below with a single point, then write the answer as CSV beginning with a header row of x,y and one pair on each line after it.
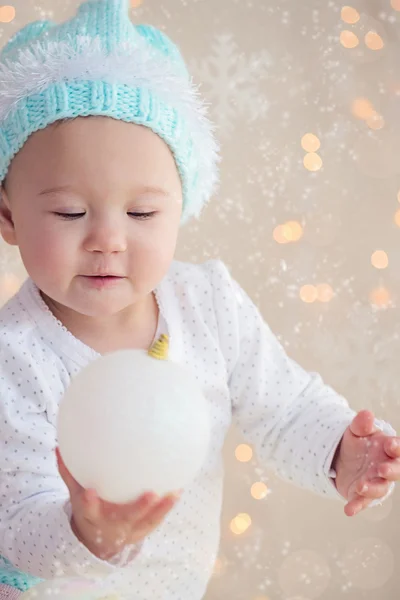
x,y
367,456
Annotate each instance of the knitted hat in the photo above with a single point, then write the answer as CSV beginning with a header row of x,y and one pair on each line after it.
x,y
100,63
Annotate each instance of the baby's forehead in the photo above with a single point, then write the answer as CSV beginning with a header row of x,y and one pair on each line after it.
x,y
99,151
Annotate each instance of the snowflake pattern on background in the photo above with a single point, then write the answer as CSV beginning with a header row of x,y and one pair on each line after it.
x,y
232,82
363,357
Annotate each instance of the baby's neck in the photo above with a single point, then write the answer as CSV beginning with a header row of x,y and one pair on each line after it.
x,y
134,330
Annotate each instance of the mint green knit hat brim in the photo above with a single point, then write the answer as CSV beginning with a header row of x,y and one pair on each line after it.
x,y
99,63
87,98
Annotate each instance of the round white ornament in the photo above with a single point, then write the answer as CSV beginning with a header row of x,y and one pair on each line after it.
x,y
130,423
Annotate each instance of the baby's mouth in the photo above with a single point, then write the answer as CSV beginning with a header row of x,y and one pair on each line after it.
x,y
103,279
106,276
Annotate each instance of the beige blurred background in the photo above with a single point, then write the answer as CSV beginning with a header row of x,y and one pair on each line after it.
x,y
306,98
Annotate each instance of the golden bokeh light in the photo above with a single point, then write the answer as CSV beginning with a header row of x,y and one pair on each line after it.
x,y
308,293
312,161
279,235
362,108
398,196
240,523
7,14
243,453
324,292
375,121
349,15
287,232
310,142
373,40
292,231
395,4
379,259
348,39
380,297
136,3
397,218
259,490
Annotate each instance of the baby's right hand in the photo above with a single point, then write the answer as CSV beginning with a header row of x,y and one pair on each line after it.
x,y
106,528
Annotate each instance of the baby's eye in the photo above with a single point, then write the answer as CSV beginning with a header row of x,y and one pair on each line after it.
x,y
69,215
136,215
143,216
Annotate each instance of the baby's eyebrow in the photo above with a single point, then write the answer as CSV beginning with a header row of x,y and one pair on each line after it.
x,y
56,190
68,189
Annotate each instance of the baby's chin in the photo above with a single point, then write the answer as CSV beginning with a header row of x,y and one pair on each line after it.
x,y
98,299
101,308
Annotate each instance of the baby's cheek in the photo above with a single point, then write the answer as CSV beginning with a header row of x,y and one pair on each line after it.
x,y
47,252
156,258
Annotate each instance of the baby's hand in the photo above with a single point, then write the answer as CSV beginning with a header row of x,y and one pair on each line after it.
x,y
106,528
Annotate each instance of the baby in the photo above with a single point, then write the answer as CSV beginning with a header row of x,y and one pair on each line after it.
x,y
105,151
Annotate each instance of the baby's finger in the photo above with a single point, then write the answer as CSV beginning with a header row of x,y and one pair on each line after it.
x,y
73,486
91,506
374,488
356,505
137,510
392,447
158,513
389,470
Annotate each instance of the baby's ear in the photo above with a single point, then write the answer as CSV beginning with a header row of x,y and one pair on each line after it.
x,y
7,228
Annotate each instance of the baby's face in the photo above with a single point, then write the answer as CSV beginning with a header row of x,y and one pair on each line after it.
x,y
99,170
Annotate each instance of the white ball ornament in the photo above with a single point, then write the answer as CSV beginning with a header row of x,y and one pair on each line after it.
x,y
133,422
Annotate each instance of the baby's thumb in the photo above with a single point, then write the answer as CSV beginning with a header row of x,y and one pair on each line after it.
x,y
363,424
72,485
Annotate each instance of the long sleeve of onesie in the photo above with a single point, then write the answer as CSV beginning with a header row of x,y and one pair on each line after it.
x,y
293,419
34,503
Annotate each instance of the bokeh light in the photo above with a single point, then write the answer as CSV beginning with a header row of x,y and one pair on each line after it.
x,y
380,297
136,3
395,4
310,142
7,14
375,121
292,231
373,40
308,293
362,108
312,161
348,39
243,453
240,523
379,259
397,218
324,292
279,235
259,490
349,15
